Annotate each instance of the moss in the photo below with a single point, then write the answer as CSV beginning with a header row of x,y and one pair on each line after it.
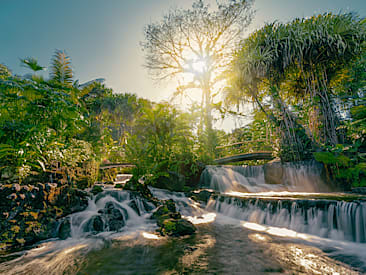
x,y
96,189
169,226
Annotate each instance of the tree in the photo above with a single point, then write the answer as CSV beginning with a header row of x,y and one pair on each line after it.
x,y
61,70
297,62
31,63
162,143
258,73
196,44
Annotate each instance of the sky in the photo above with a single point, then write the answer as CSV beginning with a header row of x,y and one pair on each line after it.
x,y
102,36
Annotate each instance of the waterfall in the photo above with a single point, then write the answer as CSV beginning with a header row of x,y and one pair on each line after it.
x,y
111,210
301,177
339,220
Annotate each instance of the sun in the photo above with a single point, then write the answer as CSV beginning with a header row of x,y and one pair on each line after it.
x,y
195,64
199,66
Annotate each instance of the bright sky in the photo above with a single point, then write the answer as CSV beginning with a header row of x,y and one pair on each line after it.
x,y
102,37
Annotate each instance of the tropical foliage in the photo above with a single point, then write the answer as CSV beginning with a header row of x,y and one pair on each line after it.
x,y
162,143
305,80
305,76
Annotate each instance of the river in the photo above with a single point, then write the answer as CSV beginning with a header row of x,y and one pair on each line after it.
x,y
246,227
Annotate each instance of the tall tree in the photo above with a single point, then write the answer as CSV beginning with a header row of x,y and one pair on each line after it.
x,y
297,62
194,46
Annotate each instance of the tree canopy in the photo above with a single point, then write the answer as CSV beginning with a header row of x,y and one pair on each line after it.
x,y
194,47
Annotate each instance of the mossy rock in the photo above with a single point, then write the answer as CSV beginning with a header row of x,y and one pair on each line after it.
x,y
96,189
170,221
171,181
82,182
177,227
134,185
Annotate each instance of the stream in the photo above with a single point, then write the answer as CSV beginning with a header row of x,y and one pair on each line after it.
x,y
247,227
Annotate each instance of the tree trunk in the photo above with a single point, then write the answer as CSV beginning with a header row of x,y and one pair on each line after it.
x,y
295,144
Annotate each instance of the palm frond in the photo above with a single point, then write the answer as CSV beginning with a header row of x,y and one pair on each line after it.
x,y
31,63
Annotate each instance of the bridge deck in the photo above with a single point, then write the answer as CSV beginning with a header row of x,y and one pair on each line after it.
x,y
115,165
266,155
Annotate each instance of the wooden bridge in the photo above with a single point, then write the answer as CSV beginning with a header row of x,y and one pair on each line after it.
x,y
115,165
266,155
257,155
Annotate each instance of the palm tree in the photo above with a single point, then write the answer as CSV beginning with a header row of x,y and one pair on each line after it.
x,y
263,60
311,51
328,43
31,63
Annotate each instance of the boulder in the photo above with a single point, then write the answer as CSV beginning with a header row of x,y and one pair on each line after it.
x,y
177,227
135,185
96,189
170,221
64,230
114,216
173,181
201,196
94,225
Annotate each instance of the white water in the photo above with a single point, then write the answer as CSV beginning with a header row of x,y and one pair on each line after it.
x,y
299,177
54,257
131,211
189,209
248,201
335,220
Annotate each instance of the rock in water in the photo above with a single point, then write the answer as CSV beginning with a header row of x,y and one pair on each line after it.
x,y
64,230
171,222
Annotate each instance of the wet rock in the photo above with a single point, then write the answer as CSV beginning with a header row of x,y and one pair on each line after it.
x,y
134,206
64,231
173,181
94,225
273,173
116,225
177,227
170,221
30,212
134,185
114,216
167,208
202,195
148,206
96,189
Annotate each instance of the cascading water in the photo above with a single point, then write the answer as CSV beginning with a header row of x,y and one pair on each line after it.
x,y
301,177
337,220
250,195
110,211
109,237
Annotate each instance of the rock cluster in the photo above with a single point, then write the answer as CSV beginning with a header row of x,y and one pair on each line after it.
x,y
30,213
170,221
